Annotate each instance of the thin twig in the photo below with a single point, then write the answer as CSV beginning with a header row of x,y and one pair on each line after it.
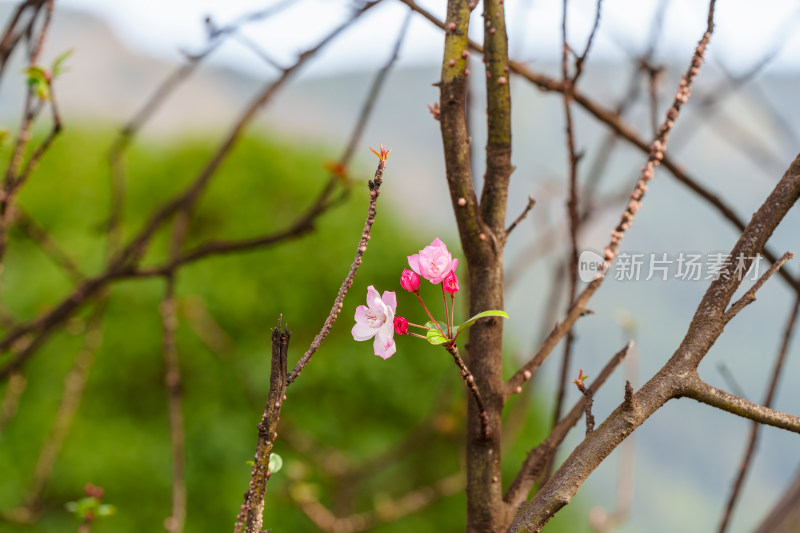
x,y
587,409
252,513
48,245
338,304
16,174
74,386
573,216
172,379
12,35
469,381
750,296
521,217
387,511
701,391
10,401
582,57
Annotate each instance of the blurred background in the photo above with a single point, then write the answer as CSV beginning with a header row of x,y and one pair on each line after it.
x,y
359,433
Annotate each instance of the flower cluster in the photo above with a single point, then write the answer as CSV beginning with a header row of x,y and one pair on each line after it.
x,y
378,319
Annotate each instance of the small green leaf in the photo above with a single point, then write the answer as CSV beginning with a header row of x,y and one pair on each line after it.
x,y
57,68
35,74
3,135
434,337
472,320
250,463
85,506
275,463
38,81
106,510
431,325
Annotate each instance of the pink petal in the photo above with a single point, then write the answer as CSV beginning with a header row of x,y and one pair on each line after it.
x,y
426,269
362,313
384,348
413,262
390,299
362,332
372,295
438,244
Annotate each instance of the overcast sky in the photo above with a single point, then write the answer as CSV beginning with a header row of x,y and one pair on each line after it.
x,y
745,32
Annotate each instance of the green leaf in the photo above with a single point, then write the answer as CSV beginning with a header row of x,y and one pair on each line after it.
x,y
434,337
85,506
3,135
37,80
57,69
472,320
250,463
432,325
275,463
35,75
106,510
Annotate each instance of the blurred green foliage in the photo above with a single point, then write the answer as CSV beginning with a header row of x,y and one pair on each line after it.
x,y
348,406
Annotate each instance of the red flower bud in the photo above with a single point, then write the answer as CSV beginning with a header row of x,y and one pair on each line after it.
x,y
400,325
450,283
409,280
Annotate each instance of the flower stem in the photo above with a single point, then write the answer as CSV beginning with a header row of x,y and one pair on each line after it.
x,y
417,326
446,313
452,312
417,335
435,323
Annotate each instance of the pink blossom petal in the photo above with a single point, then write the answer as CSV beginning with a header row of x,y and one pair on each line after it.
x,y
362,332
372,295
362,314
384,347
413,262
390,299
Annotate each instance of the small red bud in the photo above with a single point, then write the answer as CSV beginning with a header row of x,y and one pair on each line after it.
x,y
400,325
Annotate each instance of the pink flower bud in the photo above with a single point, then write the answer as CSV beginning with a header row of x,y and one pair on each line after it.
x,y
450,283
409,280
400,325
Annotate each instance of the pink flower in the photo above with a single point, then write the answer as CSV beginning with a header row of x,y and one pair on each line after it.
x,y
400,325
450,283
433,262
409,280
376,319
